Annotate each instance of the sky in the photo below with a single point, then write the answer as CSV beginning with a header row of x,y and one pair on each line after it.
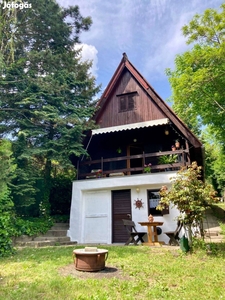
x,y
149,31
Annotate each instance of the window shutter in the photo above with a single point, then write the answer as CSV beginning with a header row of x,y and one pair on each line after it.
x,y
122,104
127,102
166,211
130,102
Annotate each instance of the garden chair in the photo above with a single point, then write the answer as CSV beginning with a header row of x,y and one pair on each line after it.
x,y
134,235
174,235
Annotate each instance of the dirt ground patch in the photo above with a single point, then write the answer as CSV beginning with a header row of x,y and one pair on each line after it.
x,y
108,272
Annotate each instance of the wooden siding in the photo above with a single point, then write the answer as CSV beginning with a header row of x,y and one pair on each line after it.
x,y
146,109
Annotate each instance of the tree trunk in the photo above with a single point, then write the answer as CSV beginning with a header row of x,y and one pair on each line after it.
x,y
189,235
45,205
201,229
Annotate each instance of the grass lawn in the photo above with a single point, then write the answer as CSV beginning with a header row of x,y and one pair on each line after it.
x,y
142,273
132,272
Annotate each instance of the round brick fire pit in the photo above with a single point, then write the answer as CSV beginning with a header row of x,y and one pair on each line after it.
x,y
90,259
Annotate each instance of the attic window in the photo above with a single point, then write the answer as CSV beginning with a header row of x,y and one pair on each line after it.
x,y
127,101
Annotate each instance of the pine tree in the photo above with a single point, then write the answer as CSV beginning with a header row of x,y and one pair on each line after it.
x,y
47,92
7,167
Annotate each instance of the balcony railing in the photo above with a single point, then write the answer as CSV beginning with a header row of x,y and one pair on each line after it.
x,y
99,169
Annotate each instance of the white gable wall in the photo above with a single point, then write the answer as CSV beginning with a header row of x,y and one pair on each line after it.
x,y
91,212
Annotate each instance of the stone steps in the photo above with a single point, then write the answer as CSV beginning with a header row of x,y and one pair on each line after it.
x,y
212,228
210,233
213,237
60,226
51,238
45,243
54,233
214,240
56,236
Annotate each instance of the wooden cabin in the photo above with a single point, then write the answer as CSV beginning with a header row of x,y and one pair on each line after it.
x,y
129,159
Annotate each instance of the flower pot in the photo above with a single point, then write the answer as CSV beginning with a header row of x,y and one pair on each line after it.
x,y
177,145
150,218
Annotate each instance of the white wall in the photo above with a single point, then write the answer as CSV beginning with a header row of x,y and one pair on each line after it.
x,y
90,216
96,217
169,222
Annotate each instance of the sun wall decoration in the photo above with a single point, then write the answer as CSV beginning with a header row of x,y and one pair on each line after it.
x,y
138,203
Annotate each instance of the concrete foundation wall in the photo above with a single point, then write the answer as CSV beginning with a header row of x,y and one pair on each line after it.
x,y
91,211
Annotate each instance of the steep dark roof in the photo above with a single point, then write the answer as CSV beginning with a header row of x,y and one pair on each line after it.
x,y
169,113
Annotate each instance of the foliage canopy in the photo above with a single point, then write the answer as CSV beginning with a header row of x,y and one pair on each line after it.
x,y
46,92
7,167
189,194
199,76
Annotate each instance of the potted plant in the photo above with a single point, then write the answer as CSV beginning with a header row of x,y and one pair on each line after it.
x,y
177,144
147,168
99,174
118,150
168,159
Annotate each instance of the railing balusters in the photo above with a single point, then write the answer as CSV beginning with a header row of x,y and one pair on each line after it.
x,y
183,153
143,159
102,162
77,169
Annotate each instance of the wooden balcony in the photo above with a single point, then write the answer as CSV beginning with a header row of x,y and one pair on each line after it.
x,y
101,167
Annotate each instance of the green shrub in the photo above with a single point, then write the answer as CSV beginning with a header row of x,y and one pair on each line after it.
x,y
32,226
6,224
61,218
190,195
60,195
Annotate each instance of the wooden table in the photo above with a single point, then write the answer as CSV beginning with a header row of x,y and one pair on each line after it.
x,y
152,232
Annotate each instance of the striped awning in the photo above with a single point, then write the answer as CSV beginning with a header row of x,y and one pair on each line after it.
x,y
131,126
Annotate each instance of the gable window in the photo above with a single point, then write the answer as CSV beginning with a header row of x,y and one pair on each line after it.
x,y
122,104
127,102
153,202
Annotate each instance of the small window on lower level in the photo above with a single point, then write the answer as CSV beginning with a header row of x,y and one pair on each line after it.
x,y
153,202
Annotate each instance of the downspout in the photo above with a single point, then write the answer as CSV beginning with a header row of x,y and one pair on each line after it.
x,y
87,146
78,162
203,161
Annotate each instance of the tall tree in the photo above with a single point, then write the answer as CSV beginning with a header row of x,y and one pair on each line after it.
x,y
7,22
26,177
7,167
47,92
214,162
199,77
